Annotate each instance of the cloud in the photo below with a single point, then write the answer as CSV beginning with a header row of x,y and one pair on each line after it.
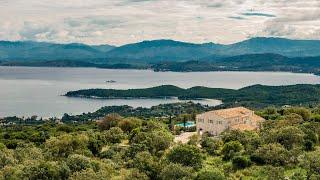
x,y
236,17
126,21
257,14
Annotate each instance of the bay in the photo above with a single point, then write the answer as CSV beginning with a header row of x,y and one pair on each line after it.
x,y
27,91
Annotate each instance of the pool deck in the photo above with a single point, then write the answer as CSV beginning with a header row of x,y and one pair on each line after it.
x,y
184,137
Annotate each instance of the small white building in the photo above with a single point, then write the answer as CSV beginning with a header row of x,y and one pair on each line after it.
x,y
217,121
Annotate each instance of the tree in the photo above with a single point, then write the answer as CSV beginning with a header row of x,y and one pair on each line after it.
x,y
128,124
273,154
187,155
109,121
210,174
78,162
66,144
89,173
210,145
45,170
27,152
287,136
156,142
6,156
96,142
249,139
241,162
231,149
303,112
147,164
132,174
114,135
311,162
293,118
176,172
272,173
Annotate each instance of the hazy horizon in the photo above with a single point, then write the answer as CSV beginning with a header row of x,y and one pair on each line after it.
x,y
118,22
152,40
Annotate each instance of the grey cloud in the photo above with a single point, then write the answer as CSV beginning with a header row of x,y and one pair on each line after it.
x,y
257,14
123,21
104,21
236,17
31,31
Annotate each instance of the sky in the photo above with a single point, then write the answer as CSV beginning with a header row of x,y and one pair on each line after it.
x,y
119,22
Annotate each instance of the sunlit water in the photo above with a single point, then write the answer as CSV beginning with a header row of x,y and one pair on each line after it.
x,y
26,91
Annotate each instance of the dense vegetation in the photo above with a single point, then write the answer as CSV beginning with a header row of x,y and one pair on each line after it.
x,y
72,63
251,62
256,96
175,112
286,147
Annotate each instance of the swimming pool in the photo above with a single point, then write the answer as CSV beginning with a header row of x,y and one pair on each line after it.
x,y
188,124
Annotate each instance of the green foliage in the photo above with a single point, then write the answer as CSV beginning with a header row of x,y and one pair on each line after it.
x,y
210,145
210,174
274,154
256,96
240,162
45,170
303,112
176,172
231,149
79,162
147,164
66,144
287,136
186,155
109,121
6,157
311,162
286,147
96,142
128,124
114,135
249,139
153,137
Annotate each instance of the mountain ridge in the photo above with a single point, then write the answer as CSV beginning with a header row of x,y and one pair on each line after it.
x,y
153,51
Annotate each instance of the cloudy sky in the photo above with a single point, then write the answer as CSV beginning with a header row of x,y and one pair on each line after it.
x,y
119,22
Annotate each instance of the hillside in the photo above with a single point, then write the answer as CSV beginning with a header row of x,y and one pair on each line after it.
x,y
248,62
252,96
169,50
164,50
282,46
42,51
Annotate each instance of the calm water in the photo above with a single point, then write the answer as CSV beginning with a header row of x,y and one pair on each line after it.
x,y
26,91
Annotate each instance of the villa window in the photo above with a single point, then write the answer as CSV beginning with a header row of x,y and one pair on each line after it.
x,y
201,120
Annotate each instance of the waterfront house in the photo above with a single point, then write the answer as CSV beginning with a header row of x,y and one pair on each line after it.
x,y
217,121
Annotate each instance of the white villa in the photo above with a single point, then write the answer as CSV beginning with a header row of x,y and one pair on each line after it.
x,y
215,122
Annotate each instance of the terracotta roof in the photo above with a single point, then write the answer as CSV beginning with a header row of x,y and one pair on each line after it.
x,y
232,112
257,118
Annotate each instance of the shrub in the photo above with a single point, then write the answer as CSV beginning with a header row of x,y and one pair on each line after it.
x,y
210,174
176,172
187,155
231,149
240,162
109,121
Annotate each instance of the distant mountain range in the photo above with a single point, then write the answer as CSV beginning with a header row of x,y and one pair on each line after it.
x,y
42,51
154,51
